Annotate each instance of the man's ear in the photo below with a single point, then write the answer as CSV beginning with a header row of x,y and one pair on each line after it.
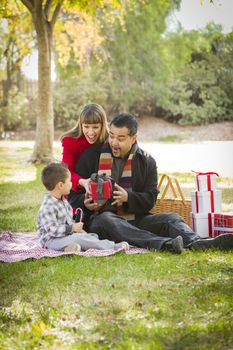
x,y
134,138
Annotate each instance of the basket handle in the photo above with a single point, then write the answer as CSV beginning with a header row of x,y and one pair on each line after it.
x,y
170,184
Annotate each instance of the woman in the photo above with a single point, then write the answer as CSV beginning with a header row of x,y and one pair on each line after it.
x,y
91,129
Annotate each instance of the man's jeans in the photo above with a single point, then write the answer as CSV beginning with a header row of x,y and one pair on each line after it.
x,y
149,231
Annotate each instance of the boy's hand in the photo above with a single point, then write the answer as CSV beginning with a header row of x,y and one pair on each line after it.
x,y
77,227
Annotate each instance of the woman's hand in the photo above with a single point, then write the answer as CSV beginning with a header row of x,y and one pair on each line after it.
x,y
86,184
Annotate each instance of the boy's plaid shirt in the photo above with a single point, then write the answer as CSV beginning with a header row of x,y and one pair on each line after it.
x,y
55,218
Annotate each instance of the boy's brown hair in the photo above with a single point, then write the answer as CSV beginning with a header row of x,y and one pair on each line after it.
x,y
54,173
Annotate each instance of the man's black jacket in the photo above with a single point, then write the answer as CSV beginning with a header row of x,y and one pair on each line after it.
x,y
144,182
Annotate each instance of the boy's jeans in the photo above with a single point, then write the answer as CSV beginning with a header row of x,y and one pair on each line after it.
x,y
85,240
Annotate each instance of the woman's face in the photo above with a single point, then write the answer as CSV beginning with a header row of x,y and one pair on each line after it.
x,y
92,132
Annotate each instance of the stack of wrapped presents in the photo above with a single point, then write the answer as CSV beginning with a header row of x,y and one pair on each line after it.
x,y
206,216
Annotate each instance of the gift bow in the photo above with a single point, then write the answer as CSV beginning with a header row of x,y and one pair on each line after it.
x,y
208,178
208,173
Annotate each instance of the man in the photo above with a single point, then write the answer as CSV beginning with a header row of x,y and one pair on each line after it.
x,y
126,217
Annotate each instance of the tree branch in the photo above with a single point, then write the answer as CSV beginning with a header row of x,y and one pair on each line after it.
x,y
55,14
47,8
38,6
29,4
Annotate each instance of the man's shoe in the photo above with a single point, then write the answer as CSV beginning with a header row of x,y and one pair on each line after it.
x,y
222,242
178,245
175,245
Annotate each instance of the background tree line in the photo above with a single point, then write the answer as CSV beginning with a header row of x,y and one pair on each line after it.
x,y
125,59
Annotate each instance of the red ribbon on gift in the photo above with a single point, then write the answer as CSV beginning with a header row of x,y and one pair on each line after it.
x,y
197,207
210,225
208,178
211,201
208,173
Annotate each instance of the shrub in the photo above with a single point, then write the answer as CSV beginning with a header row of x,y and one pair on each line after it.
x,y
70,94
14,114
196,97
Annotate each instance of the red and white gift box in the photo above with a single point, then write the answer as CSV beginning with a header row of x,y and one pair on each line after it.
x,y
207,201
212,224
206,181
223,223
202,224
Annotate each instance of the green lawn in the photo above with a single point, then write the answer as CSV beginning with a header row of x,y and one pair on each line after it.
x,y
155,300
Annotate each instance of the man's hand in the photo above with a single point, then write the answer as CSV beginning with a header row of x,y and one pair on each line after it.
x,y
90,205
120,195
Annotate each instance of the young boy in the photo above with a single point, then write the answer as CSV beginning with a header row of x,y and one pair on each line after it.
x,y
57,230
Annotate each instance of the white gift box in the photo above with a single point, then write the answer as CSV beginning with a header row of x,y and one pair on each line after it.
x,y
202,224
206,182
207,201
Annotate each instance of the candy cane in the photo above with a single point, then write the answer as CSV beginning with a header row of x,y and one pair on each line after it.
x,y
80,211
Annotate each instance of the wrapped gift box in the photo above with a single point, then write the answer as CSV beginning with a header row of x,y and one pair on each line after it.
x,y
207,201
223,223
206,182
202,224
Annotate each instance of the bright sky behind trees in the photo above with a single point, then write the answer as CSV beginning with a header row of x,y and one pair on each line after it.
x,y
192,15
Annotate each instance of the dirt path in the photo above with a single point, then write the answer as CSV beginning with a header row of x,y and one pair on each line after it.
x,y
155,129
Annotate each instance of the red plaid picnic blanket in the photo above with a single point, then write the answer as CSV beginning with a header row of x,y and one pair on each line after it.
x,y
25,245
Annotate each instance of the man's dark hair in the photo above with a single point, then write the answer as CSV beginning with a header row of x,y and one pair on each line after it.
x,y
127,120
54,173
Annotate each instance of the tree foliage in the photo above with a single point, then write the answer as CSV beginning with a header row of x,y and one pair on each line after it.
x,y
182,76
124,58
201,91
132,63
44,15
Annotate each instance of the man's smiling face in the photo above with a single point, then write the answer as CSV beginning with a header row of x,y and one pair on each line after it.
x,y
120,141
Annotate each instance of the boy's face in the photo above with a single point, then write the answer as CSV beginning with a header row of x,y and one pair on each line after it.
x,y
66,186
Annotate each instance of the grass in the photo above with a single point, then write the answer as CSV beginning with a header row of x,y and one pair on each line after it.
x,y
173,138
155,300
150,301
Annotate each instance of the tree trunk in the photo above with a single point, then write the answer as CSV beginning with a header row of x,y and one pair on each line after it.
x,y
9,70
43,147
19,77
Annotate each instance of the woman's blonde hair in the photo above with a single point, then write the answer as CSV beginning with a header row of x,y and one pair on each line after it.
x,y
91,113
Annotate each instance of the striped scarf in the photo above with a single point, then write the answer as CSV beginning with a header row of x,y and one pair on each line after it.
x,y
105,166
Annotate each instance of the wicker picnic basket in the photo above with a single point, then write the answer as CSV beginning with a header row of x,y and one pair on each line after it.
x,y
177,205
